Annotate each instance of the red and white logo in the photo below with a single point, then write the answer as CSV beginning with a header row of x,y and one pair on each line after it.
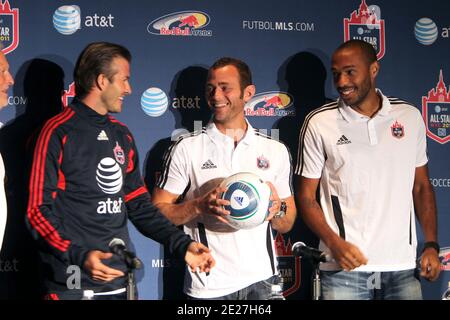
x,y
288,265
119,154
398,130
365,24
436,112
9,27
70,93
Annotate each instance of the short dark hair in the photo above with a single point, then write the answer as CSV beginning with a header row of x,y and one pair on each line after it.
x,y
367,49
94,60
245,75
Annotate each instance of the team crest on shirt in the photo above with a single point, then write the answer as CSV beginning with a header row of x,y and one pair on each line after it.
x,y
262,162
365,24
119,154
398,131
288,265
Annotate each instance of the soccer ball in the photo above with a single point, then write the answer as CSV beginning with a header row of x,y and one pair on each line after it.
x,y
249,198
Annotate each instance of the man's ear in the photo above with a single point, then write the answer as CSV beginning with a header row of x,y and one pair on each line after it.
x,y
374,69
101,81
249,92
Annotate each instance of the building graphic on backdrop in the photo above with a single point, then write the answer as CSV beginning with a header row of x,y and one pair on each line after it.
x,y
288,265
270,104
435,112
68,94
365,24
9,27
183,23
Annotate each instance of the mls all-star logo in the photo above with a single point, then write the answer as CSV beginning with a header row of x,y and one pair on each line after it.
x,y
288,265
398,130
436,112
68,94
366,25
9,27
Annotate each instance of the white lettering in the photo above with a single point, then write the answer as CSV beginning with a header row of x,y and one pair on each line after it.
x,y
109,206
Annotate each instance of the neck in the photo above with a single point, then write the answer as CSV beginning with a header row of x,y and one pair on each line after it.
x,y
370,106
235,130
95,104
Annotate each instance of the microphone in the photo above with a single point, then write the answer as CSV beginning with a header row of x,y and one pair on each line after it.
x,y
299,249
117,246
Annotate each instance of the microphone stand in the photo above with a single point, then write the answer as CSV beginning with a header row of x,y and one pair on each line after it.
x,y
316,288
131,284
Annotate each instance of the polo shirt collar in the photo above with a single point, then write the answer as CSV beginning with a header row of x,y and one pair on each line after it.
x,y
351,115
216,135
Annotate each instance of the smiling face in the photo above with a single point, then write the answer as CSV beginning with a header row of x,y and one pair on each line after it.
x,y
116,88
226,98
353,75
6,80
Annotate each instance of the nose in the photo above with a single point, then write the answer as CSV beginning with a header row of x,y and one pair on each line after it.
x,y
9,79
128,89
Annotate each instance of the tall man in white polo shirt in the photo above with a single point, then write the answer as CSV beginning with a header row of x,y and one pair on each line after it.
x,y
196,163
367,153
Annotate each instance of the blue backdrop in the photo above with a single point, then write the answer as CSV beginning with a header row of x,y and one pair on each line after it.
x,y
286,43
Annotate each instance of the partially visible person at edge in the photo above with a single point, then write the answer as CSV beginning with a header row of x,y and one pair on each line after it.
x,y
6,81
367,152
194,166
86,183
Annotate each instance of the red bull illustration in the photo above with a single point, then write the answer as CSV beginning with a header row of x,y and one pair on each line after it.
x,y
270,104
184,23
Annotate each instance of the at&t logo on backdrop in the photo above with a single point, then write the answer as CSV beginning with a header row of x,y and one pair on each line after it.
x,y
9,27
184,23
427,32
436,112
366,25
67,20
154,102
270,104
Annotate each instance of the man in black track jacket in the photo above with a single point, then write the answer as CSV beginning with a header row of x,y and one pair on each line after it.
x,y
86,183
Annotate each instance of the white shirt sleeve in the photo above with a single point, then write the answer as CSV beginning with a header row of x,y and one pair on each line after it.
x,y
3,206
311,155
175,173
421,156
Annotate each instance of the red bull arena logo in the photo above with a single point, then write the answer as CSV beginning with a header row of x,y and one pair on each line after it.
x,y
365,24
9,27
270,104
444,257
184,23
436,112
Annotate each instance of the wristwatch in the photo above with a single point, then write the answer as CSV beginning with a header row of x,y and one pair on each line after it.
x,y
282,212
431,244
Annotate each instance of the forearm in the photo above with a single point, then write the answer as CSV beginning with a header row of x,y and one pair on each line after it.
x,y
180,213
285,224
314,217
425,207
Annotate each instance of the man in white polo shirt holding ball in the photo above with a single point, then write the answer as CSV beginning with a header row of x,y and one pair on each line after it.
x,y
195,165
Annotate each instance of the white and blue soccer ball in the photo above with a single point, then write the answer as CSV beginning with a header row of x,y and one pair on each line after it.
x,y
249,198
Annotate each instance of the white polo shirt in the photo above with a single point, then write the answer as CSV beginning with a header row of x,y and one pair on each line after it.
x,y
367,167
195,164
